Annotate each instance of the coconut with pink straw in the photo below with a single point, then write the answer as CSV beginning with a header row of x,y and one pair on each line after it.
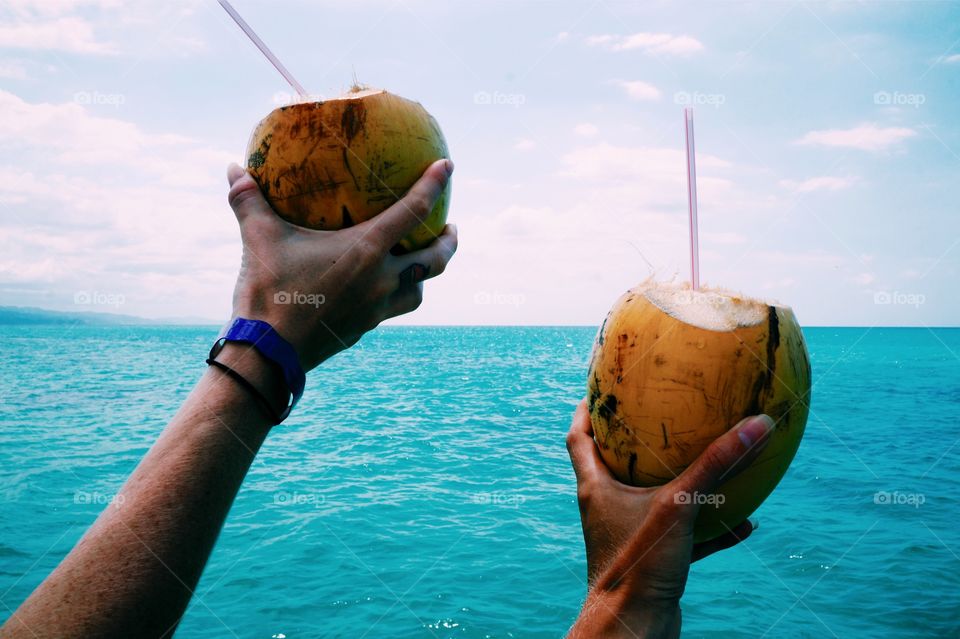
x,y
676,364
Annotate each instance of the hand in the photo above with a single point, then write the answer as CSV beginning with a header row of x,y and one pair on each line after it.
x,y
322,290
639,541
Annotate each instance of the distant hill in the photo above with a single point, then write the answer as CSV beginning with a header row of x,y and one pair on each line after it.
x,y
23,315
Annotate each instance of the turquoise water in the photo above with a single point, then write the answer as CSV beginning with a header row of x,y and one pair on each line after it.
x,y
423,488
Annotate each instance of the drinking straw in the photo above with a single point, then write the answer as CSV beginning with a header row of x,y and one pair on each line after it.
x,y
692,198
263,47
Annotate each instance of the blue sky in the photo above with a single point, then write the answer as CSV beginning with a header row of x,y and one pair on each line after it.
x,y
827,139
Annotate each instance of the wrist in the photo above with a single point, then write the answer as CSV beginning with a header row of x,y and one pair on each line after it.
x,y
272,352
225,404
262,373
311,339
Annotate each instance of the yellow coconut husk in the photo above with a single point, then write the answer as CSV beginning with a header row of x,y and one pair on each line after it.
x,y
673,369
331,164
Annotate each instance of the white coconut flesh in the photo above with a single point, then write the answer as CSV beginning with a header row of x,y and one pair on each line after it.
x,y
712,309
355,93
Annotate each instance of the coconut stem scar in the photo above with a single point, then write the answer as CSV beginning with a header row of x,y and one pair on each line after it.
x,y
263,47
692,198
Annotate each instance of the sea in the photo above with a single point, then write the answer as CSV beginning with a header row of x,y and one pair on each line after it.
x,y
422,487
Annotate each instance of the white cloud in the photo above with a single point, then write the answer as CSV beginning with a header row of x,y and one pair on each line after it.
x,y
952,59
98,203
863,279
611,162
70,34
820,183
867,137
586,130
77,137
651,180
653,43
600,40
524,144
638,90
73,137
102,27
55,8
622,206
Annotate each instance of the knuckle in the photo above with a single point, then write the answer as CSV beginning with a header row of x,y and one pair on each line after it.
x,y
242,190
571,440
418,204
665,501
368,250
438,265
586,491
712,465
416,299
715,458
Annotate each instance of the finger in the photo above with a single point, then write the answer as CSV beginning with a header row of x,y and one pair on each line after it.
x,y
726,456
433,259
412,275
722,460
396,222
728,539
405,300
245,197
584,455
234,172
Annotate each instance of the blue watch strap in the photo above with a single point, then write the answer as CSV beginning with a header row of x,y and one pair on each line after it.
x,y
272,346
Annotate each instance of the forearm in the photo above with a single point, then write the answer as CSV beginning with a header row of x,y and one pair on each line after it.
x,y
612,615
133,572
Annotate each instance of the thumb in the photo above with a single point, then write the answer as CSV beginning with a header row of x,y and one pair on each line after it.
x,y
245,197
413,208
726,456
584,455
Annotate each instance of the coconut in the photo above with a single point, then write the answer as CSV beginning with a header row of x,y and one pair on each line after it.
x,y
334,163
672,369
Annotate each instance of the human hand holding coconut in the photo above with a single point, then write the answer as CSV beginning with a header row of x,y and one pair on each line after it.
x,y
349,199
662,478
322,290
342,216
640,541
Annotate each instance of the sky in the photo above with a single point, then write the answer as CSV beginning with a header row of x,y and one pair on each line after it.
x,y
828,148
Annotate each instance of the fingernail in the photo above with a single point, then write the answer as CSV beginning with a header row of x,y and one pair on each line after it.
x,y
448,166
755,429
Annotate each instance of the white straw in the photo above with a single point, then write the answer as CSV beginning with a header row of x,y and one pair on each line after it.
x,y
263,47
692,198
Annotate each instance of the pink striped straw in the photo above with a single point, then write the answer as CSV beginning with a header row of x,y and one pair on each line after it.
x,y
692,198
